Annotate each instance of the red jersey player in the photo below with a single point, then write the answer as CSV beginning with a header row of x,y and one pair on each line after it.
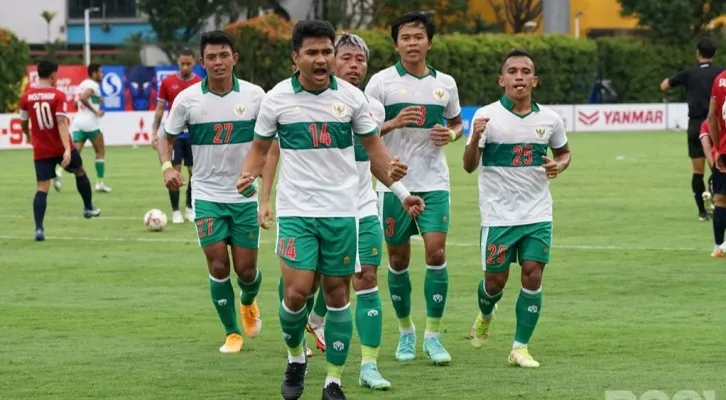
x,y
43,112
170,87
717,130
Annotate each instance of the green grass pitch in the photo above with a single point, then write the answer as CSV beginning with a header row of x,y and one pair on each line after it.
x,y
105,310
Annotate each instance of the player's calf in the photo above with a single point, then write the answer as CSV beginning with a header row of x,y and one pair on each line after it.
x,y
338,330
369,323
249,279
719,223
222,294
83,185
39,206
528,308
436,287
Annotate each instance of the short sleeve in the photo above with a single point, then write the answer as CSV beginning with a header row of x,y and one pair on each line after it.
x,y
453,107
97,89
363,122
163,95
715,86
374,88
377,111
266,123
704,128
61,105
23,108
177,119
679,79
558,139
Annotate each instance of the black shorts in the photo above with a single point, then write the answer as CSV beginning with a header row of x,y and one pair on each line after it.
x,y
45,168
719,182
695,148
182,151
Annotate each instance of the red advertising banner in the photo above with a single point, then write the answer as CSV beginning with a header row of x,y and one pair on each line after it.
x,y
69,77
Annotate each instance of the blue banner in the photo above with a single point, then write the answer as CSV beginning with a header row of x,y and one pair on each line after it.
x,y
112,88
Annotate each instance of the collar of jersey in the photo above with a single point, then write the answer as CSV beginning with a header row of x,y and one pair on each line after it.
x,y
402,71
509,105
297,86
205,87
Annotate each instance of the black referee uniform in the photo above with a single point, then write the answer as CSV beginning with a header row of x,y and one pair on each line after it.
x,y
697,80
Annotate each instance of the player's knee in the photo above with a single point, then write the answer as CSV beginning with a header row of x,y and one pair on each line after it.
x,y
719,200
79,172
366,279
494,282
398,258
532,275
435,256
43,186
336,293
218,268
247,274
295,299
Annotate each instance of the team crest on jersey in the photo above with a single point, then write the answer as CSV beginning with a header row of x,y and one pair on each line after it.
x,y
339,109
403,91
346,260
439,94
204,111
240,110
297,110
541,133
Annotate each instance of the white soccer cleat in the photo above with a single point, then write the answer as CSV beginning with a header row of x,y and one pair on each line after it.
x,y
176,217
190,214
708,202
101,187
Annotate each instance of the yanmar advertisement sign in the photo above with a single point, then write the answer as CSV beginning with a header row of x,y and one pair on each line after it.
x,y
619,117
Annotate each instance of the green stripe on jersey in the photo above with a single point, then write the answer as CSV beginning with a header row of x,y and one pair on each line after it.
x,y
360,151
513,154
434,114
229,132
315,135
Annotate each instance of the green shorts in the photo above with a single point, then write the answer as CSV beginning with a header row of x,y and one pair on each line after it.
x,y
370,241
328,245
82,136
399,226
233,223
503,245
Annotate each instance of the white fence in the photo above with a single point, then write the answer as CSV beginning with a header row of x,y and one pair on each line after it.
x,y
134,127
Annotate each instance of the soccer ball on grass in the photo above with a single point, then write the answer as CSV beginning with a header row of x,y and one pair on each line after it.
x,y
155,220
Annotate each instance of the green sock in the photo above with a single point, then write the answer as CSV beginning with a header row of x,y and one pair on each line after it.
x,y
399,285
223,299
436,286
100,168
529,305
338,332
249,290
280,290
369,320
487,302
293,327
320,309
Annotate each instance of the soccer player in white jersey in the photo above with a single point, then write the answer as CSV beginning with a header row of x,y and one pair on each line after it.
x,y
508,141
86,125
219,113
316,116
417,99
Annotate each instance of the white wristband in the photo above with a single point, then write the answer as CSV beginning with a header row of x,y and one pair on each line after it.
x,y
400,191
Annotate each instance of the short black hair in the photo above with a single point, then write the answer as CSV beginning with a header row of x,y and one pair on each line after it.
x,y
93,68
517,53
186,52
413,18
311,29
706,47
46,68
218,38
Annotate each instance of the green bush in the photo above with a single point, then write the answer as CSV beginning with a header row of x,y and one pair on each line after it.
x,y
14,56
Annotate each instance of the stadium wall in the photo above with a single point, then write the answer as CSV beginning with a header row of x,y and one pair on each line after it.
x,y
130,128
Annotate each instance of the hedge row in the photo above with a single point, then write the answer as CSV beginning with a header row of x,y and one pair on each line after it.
x,y
14,56
567,67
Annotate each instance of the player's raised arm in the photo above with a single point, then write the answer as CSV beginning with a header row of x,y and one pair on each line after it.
x,y
560,151
474,143
676,80
85,99
452,113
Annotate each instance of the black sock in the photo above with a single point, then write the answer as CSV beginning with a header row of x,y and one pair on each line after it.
x,y
174,197
710,184
719,224
189,194
84,188
698,189
39,203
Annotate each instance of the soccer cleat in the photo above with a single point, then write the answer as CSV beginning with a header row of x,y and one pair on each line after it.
x,y
190,214
176,217
101,187
308,352
333,392
371,378
480,330
434,350
293,383
58,180
406,350
717,252
233,344
522,358
703,217
318,332
94,212
251,321
39,235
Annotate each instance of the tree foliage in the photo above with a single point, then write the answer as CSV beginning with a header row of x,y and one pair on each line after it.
x,y
674,21
14,57
516,13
